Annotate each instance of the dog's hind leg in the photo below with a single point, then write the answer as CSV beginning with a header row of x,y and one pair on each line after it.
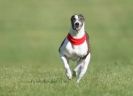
x,y
66,66
82,67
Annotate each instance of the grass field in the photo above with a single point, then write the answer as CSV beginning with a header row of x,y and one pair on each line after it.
x,y
31,32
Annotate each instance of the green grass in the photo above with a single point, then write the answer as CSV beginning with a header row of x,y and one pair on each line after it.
x,y
31,32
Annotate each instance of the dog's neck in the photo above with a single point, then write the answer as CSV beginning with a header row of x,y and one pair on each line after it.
x,y
77,34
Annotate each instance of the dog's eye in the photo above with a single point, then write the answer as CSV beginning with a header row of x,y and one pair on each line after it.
x,y
74,19
81,18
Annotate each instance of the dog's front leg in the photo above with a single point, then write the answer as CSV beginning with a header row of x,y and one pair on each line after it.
x,y
82,67
66,66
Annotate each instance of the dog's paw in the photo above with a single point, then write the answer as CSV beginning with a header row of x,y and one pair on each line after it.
x,y
78,80
69,74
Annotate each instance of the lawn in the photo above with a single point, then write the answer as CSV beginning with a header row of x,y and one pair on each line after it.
x,y
31,32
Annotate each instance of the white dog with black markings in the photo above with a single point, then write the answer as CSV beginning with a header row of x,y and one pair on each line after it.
x,y
76,47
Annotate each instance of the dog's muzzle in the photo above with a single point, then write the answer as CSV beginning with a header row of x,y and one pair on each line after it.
x,y
77,26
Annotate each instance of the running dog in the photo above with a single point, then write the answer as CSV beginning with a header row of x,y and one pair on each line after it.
x,y
76,47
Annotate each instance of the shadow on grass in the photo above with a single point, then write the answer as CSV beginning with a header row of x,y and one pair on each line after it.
x,y
47,81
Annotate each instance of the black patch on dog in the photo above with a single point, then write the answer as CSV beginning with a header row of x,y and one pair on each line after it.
x,y
73,19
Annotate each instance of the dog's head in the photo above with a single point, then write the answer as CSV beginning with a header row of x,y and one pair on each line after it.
x,y
77,21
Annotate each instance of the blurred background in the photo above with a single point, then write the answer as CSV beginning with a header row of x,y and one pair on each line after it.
x,y
31,32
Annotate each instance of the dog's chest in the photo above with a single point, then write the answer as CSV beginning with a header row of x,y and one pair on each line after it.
x,y
75,51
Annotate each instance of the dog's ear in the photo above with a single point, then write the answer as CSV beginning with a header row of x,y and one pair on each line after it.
x,y
72,21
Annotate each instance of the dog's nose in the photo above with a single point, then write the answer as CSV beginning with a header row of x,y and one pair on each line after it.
x,y
76,24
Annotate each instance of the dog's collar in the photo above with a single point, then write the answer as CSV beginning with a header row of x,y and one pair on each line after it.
x,y
76,41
